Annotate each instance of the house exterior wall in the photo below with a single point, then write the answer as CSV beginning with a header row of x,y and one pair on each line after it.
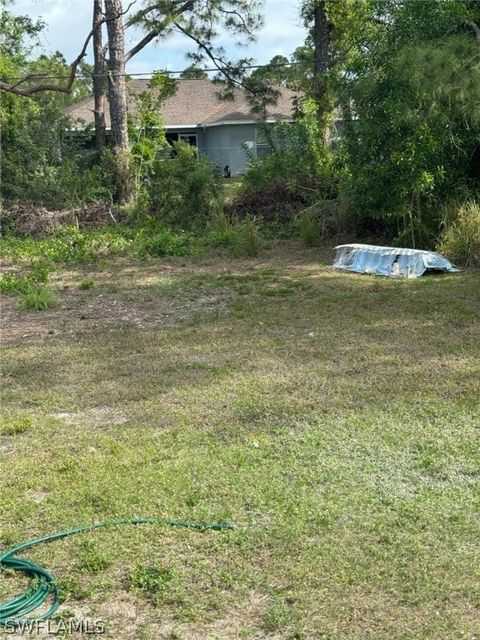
x,y
224,145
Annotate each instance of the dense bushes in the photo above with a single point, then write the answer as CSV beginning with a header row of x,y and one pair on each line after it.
x,y
406,84
184,191
410,100
297,156
45,163
405,81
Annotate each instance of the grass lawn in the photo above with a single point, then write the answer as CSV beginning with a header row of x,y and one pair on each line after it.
x,y
333,418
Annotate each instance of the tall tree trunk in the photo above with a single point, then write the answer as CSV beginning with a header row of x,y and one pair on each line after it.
x,y
321,42
99,86
117,95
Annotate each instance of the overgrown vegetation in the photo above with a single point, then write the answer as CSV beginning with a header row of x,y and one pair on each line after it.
x,y
395,135
388,139
297,172
184,191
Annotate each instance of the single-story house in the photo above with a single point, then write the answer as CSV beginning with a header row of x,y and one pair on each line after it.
x,y
195,113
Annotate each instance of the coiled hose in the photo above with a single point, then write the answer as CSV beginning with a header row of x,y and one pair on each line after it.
x,y
43,584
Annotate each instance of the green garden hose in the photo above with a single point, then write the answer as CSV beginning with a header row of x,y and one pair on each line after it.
x,y
43,584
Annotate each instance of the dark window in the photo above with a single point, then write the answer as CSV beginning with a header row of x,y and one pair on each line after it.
x,y
191,138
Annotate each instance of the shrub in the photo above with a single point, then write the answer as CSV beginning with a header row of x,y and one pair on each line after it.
x,y
242,237
185,190
59,174
38,299
221,232
296,151
461,238
297,172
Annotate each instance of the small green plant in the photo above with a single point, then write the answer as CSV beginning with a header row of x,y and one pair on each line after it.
x,y
246,238
18,284
275,616
86,284
461,239
38,298
16,426
151,580
64,614
91,560
72,587
94,562
308,227
13,284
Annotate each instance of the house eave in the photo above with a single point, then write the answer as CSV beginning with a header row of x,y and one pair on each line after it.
x,y
207,125
222,123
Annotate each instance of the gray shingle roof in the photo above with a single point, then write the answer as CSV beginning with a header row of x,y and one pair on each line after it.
x,y
195,102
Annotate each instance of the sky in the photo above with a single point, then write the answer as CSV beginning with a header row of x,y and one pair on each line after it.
x,y
69,21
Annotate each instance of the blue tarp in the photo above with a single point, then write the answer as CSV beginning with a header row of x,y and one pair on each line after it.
x,y
389,261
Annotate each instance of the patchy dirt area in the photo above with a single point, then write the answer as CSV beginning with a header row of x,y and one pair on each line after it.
x,y
139,294
83,311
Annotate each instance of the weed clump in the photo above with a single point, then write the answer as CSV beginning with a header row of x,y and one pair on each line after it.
x,y
38,299
308,227
151,581
461,238
15,426
246,238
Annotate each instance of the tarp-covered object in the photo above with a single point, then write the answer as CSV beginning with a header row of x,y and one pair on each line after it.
x,y
389,261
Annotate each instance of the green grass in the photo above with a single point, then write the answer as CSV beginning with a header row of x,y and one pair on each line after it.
x,y
38,299
333,418
72,245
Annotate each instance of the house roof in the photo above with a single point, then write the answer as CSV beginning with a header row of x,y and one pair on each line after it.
x,y
194,103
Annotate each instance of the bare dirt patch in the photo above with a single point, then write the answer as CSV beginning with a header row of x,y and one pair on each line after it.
x,y
150,294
